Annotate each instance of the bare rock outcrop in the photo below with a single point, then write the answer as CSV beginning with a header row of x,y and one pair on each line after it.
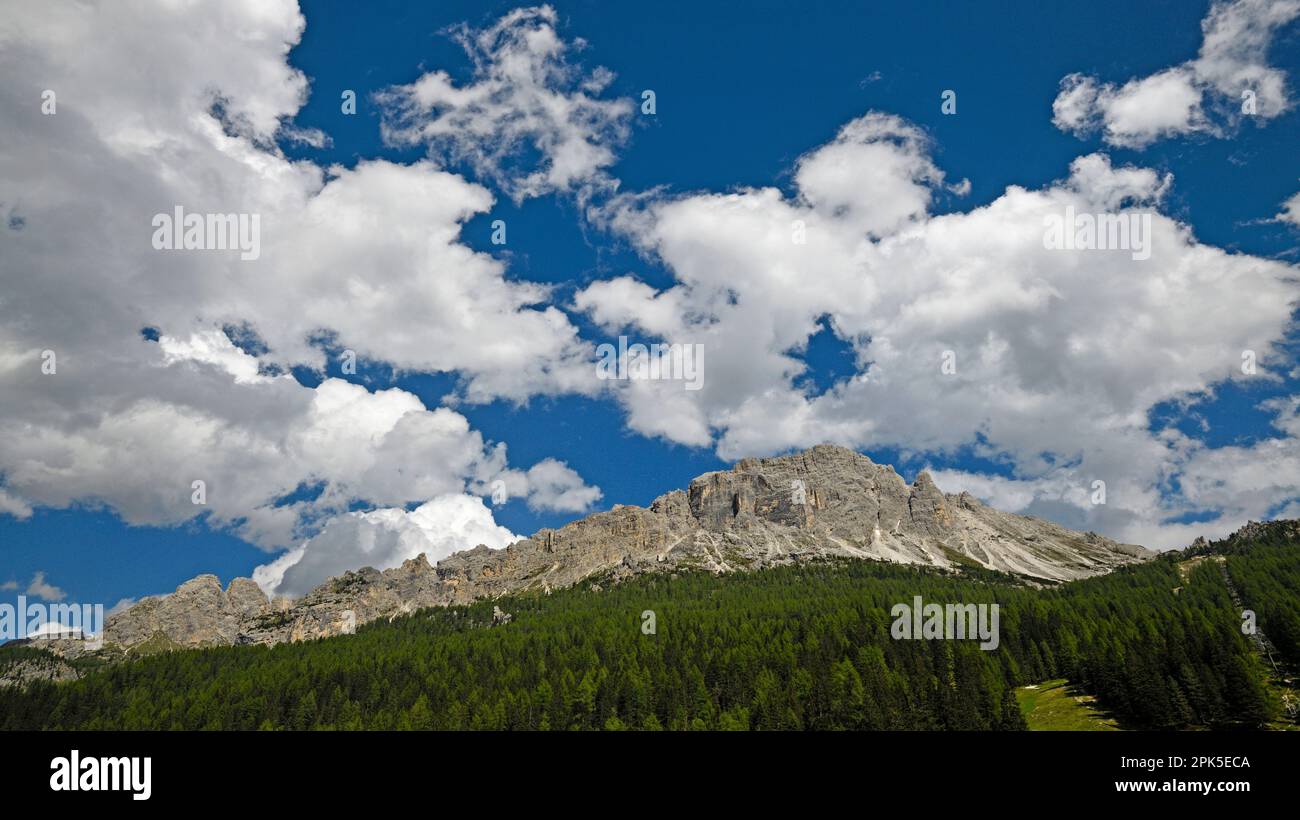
x,y
198,613
827,501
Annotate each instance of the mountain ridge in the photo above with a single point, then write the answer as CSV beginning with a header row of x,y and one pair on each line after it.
x,y
826,501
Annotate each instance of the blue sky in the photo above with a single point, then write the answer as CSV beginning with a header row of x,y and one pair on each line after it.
x,y
742,96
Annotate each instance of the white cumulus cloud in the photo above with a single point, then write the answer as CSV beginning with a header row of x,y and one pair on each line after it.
x,y
1229,79
1060,354
383,539
160,105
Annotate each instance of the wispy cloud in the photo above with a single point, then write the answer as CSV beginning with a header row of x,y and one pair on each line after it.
x,y
43,590
531,120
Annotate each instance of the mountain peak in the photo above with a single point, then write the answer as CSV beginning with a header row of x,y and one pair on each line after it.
x,y
827,501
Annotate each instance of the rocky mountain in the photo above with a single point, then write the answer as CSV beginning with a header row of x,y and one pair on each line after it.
x,y
827,501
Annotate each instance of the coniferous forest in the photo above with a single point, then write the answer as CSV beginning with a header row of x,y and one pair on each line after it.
x,y
1160,645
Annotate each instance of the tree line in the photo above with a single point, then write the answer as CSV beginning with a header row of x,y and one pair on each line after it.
x,y
804,646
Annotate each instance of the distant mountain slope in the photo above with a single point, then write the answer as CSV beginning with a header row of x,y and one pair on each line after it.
x,y
825,502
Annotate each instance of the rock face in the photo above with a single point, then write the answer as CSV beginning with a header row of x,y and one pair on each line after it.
x,y
198,613
49,668
827,501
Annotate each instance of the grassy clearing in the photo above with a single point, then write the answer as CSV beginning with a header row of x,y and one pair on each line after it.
x,y
1056,705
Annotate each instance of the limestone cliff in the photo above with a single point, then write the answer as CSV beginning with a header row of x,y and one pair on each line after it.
x,y
826,501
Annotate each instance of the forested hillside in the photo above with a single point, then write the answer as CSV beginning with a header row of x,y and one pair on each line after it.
x,y
796,647
1266,570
